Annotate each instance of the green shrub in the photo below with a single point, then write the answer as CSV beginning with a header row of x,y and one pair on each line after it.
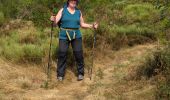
x,y
87,38
2,18
163,90
40,15
165,23
129,35
33,53
122,22
29,37
120,4
32,44
158,65
13,52
143,13
133,29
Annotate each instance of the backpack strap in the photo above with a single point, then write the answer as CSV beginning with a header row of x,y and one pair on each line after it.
x,y
64,9
59,23
79,12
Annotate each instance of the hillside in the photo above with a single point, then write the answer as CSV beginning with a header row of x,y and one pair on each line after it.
x,y
132,51
112,83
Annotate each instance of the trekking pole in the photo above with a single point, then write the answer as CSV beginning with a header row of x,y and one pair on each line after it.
x,y
94,44
49,55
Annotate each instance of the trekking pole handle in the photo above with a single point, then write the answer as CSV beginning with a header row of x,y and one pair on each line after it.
x,y
53,16
94,25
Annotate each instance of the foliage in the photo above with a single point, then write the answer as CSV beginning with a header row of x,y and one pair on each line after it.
x,y
158,66
2,18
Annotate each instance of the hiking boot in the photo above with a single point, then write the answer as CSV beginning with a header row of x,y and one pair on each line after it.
x,y
80,77
60,78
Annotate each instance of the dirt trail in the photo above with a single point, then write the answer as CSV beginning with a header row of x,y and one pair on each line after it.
x,y
109,81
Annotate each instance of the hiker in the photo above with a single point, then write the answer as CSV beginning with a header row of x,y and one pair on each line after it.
x,y
70,19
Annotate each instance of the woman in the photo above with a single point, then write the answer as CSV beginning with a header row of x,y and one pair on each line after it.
x,y
71,20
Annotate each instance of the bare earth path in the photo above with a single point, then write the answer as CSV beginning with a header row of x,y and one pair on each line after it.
x,y
110,80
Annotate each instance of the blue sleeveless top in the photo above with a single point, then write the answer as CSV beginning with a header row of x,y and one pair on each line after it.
x,y
69,20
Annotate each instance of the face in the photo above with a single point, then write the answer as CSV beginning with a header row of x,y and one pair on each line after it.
x,y
72,3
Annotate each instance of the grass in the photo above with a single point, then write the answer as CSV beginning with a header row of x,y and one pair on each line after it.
x,y
2,95
103,88
100,73
1,18
141,13
33,53
27,44
163,90
123,23
115,83
126,23
12,52
157,67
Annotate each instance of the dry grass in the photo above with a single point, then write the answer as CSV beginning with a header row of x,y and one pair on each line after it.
x,y
116,84
110,81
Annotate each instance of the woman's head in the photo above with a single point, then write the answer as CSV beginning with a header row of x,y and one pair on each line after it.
x,y
72,3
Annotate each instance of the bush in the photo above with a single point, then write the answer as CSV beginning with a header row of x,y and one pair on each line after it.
x,y
2,19
128,35
54,48
122,23
163,90
13,52
134,30
121,4
31,45
29,37
40,16
87,38
142,13
165,23
23,53
158,65
33,53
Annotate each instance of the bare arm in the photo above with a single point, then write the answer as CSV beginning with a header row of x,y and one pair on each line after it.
x,y
57,18
85,25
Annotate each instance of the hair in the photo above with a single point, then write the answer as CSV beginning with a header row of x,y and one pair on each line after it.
x,y
75,0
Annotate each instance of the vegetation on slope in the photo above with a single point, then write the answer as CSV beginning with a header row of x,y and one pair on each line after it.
x,y
25,32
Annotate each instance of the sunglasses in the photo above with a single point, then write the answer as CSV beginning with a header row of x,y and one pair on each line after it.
x,y
73,0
